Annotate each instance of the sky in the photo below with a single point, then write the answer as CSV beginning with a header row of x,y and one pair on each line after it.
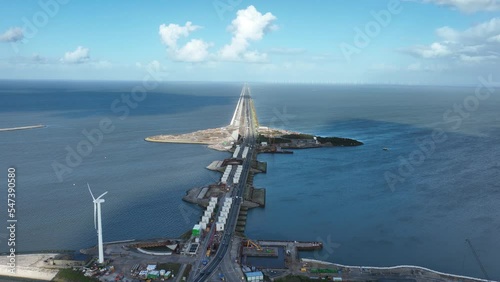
x,y
438,42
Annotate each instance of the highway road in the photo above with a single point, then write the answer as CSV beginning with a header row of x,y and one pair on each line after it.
x,y
248,127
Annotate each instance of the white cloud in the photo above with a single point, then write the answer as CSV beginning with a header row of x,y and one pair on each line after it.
x,y
495,38
447,33
469,6
473,35
473,48
171,33
472,45
476,59
80,55
196,50
249,25
434,50
13,34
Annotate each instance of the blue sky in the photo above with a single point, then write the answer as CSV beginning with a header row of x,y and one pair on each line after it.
x,y
412,41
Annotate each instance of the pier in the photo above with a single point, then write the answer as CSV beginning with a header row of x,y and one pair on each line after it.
x,y
235,178
22,127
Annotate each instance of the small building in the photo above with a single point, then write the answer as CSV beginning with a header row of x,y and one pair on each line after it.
x,y
205,219
196,230
222,219
257,276
203,225
207,214
219,226
263,144
213,199
153,274
143,274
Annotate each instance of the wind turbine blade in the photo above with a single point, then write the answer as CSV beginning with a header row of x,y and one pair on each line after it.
x,y
90,191
102,195
95,223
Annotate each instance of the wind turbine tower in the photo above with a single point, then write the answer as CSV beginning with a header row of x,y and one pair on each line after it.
x,y
98,224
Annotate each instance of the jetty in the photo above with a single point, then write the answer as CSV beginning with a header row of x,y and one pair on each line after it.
x,y
22,127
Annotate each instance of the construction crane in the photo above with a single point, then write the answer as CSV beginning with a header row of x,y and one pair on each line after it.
x,y
477,258
250,242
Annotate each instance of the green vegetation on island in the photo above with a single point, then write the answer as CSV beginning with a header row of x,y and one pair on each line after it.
x,y
295,278
307,138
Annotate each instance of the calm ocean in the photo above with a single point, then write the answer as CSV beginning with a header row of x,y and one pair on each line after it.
x,y
336,195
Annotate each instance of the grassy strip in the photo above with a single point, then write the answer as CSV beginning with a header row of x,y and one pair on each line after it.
x,y
174,267
295,278
70,275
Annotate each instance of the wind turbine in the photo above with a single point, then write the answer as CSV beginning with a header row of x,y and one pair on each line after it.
x,y
98,224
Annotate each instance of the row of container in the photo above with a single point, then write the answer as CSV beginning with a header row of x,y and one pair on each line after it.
x,y
236,152
205,219
237,174
224,214
225,176
245,152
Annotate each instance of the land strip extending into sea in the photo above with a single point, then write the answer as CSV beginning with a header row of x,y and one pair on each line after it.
x,y
22,127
